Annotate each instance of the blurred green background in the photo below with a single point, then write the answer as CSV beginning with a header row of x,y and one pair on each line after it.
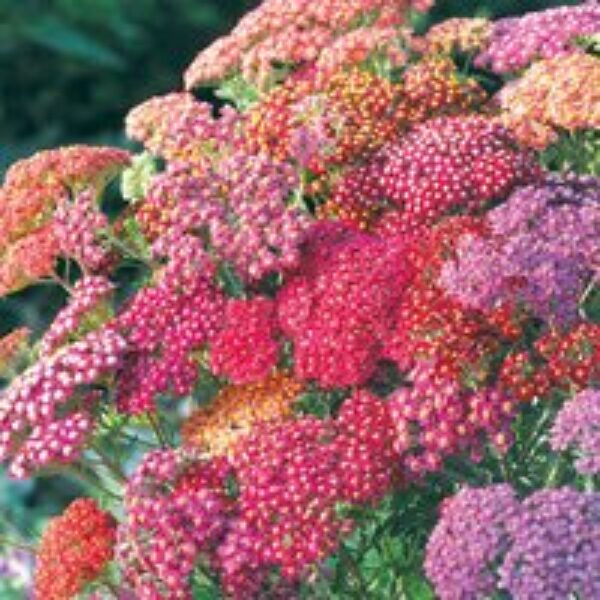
x,y
69,71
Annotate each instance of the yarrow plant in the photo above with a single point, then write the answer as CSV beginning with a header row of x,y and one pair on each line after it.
x,y
338,338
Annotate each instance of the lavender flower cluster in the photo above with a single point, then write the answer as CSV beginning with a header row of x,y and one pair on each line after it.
x,y
517,41
543,249
577,425
547,546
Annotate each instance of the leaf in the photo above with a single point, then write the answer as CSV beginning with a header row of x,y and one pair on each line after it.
x,y
61,37
238,91
136,178
230,282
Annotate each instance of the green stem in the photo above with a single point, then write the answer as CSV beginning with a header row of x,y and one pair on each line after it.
x,y
111,465
555,471
158,431
89,479
356,574
125,249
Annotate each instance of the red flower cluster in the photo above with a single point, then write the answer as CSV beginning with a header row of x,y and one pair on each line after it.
x,y
292,476
338,307
246,350
74,550
567,360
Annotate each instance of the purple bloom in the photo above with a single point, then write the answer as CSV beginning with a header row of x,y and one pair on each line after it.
x,y
518,41
547,546
543,249
578,425
468,541
555,547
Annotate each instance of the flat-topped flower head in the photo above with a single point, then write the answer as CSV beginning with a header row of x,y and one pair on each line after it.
x,y
236,409
290,32
468,540
577,427
74,550
464,35
555,95
515,42
542,250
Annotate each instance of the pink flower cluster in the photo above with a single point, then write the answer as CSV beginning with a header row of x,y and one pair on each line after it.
x,y
255,230
515,42
87,297
181,129
436,419
177,510
41,418
577,426
337,307
240,203
78,225
446,163
164,325
289,31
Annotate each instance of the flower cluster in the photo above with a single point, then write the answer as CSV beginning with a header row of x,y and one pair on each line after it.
x,y
468,539
436,419
240,203
237,409
253,228
246,350
445,164
86,302
554,546
542,250
554,95
292,476
577,425
74,550
181,129
361,44
28,259
464,35
566,360
33,187
44,414
290,32
338,307
164,325
78,225
546,546
515,42
177,509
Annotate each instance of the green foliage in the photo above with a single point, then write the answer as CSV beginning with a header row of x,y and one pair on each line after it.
x,y
578,152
